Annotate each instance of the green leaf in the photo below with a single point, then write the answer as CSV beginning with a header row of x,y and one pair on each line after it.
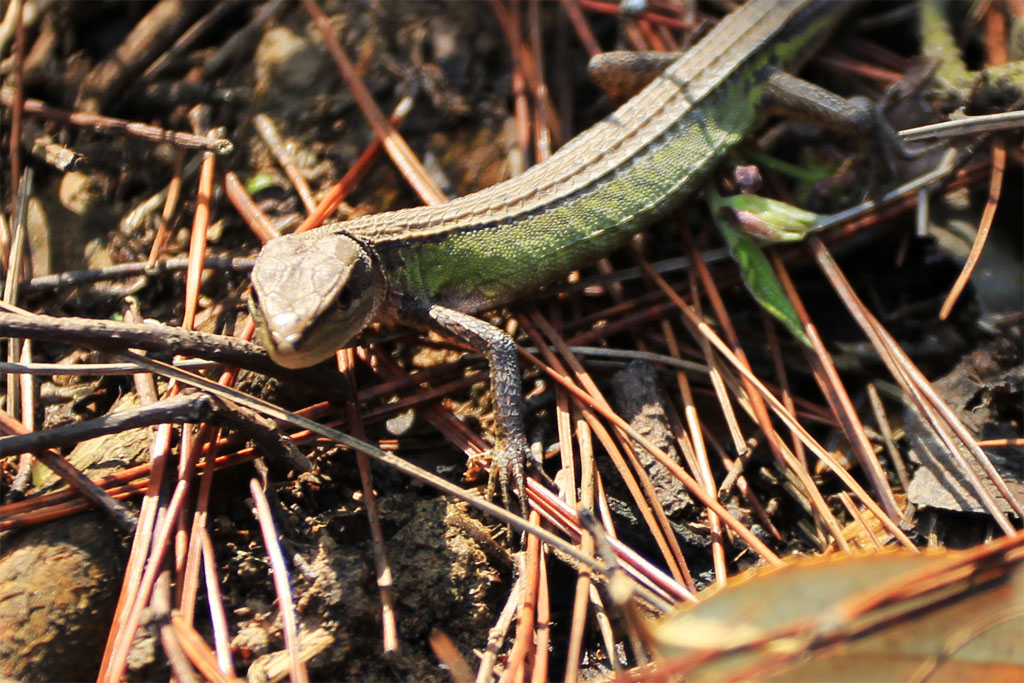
x,y
757,273
765,219
260,182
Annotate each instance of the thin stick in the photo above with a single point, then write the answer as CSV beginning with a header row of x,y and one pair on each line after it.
x,y
398,149
282,584
109,124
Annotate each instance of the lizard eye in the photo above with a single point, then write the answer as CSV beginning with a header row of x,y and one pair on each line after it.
x,y
343,300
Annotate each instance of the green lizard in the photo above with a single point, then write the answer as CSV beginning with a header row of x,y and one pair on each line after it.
x,y
437,265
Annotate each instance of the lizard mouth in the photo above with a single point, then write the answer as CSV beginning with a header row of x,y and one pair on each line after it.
x,y
291,355
296,351
288,341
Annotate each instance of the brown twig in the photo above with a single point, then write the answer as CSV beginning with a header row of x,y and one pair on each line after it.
x,y
187,39
942,419
163,231
109,124
385,581
399,151
78,278
144,42
335,197
988,215
108,335
282,585
530,74
635,477
247,209
198,651
124,517
17,103
188,408
267,129
842,407
600,407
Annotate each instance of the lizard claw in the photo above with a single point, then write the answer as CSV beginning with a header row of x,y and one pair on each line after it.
x,y
509,464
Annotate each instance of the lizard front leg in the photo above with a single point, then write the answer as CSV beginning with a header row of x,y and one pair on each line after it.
x,y
511,451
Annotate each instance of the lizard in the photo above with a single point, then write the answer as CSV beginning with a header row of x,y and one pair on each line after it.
x,y
439,265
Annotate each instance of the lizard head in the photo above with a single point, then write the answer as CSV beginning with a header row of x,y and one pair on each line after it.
x,y
311,294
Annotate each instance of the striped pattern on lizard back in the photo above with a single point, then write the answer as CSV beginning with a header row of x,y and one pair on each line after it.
x,y
493,246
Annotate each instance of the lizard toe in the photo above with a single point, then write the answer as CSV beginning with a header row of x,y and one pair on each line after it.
x,y
508,476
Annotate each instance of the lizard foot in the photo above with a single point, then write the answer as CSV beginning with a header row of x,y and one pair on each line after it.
x,y
509,464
